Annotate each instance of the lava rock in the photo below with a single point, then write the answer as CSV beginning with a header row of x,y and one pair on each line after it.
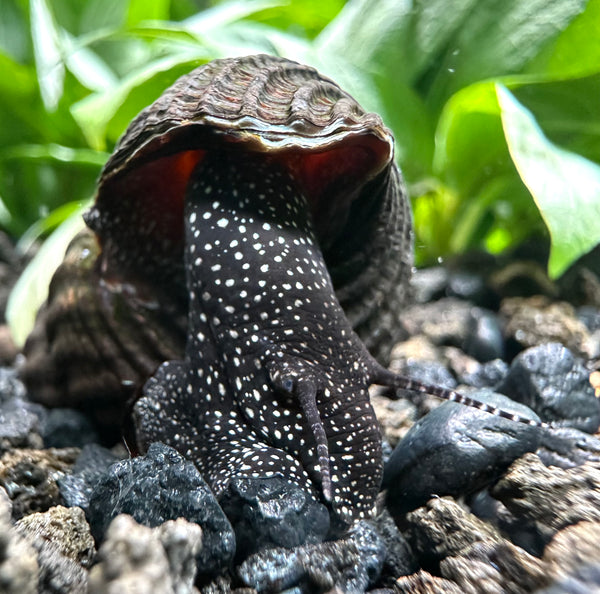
x,y
30,478
422,582
133,558
162,486
272,512
554,383
469,551
535,321
92,464
573,559
64,528
10,385
552,497
396,417
566,447
351,564
456,450
66,427
495,568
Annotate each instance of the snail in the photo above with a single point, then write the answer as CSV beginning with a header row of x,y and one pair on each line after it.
x,y
248,250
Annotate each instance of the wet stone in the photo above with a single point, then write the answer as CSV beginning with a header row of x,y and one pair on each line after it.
x,y
456,450
484,340
160,486
422,582
351,564
554,383
272,512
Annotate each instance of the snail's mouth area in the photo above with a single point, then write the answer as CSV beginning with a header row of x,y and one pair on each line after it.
x,y
144,203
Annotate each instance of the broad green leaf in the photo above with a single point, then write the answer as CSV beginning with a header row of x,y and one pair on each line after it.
x,y
576,52
494,41
31,289
147,10
564,185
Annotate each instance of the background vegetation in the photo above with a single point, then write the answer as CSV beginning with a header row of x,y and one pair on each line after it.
x,y
495,106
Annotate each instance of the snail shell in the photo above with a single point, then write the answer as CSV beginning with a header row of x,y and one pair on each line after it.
x,y
109,324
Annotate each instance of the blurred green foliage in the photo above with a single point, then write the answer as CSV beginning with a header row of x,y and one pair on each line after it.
x,y
495,106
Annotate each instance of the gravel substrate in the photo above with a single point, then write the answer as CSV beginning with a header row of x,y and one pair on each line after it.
x,y
471,502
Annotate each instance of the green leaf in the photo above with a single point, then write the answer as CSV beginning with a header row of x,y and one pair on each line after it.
x,y
31,290
564,185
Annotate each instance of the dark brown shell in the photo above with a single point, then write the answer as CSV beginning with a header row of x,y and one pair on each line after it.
x,y
342,156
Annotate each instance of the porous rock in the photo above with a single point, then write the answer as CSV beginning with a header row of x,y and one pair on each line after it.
x,y
555,384
272,512
350,565
66,528
469,551
422,582
552,497
163,486
533,321
456,450
133,558
572,550
29,477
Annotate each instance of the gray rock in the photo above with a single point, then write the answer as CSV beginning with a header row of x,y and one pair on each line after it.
x,y
163,486
271,512
456,450
133,559
552,497
555,384
351,564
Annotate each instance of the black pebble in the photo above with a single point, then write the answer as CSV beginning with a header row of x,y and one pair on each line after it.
x,y
555,384
161,486
456,450
272,512
484,340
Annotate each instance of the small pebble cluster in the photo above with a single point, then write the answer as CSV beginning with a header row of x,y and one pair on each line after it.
x,y
471,502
